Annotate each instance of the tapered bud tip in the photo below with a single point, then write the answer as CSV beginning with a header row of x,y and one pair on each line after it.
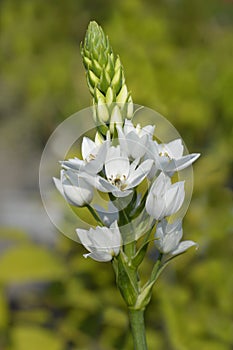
x,y
94,33
93,28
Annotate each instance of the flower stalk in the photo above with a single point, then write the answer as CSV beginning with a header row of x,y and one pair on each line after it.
x,y
137,325
121,158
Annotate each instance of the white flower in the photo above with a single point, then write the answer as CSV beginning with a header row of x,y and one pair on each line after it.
x,y
74,188
121,176
93,154
168,238
169,157
134,140
164,198
103,243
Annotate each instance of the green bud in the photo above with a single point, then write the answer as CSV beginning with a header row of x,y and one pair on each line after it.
x,y
105,76
123,95
105,81
103,114
98,96
93,79
117,63
99,138
117,80
129,113
110,65
110,95
96,67
87,61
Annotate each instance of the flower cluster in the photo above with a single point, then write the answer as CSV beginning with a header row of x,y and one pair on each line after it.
x,y
117,166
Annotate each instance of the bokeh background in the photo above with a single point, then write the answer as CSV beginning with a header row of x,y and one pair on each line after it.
x,y
178,58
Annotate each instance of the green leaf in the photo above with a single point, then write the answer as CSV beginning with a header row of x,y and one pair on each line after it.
x,y
139,256
125,282
144,297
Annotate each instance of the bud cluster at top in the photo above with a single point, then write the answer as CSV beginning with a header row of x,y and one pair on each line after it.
x,y
105,78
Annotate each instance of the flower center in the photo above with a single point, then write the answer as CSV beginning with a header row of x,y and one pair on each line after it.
x,y
90,157
118,181
165,154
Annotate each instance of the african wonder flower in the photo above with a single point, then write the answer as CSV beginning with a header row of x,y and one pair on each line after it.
x,y
168,238
74,188
93,155
121,176
164,198
103,243
134,140
169,157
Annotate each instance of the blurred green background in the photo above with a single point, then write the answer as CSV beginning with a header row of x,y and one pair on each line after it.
x,y
178,58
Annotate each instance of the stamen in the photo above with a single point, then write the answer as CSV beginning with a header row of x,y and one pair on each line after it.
x,y
118,181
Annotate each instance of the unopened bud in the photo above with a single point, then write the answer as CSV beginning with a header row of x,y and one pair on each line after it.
x,y
103,114
99,138
123,95
109,96
129,113
116,118
117,80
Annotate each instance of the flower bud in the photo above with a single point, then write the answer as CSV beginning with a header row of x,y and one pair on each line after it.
x,y
105,75
116,118
103,114
164,198
74,189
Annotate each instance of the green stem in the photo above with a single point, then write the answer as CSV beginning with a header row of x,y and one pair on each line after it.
x,y
137,324
94,214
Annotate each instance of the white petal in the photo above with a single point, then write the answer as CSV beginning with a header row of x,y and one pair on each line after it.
x,y
74,163
84,237
155,207
88,146
58,185
136,145
174,198
183,246
101,256
116,237
103,243
94,166
103,185
174,148
148,130
137,176
128,126
134,165
76,191
181,163
116,118
116,164
122,140
170,242
168,236
160,185
120,194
